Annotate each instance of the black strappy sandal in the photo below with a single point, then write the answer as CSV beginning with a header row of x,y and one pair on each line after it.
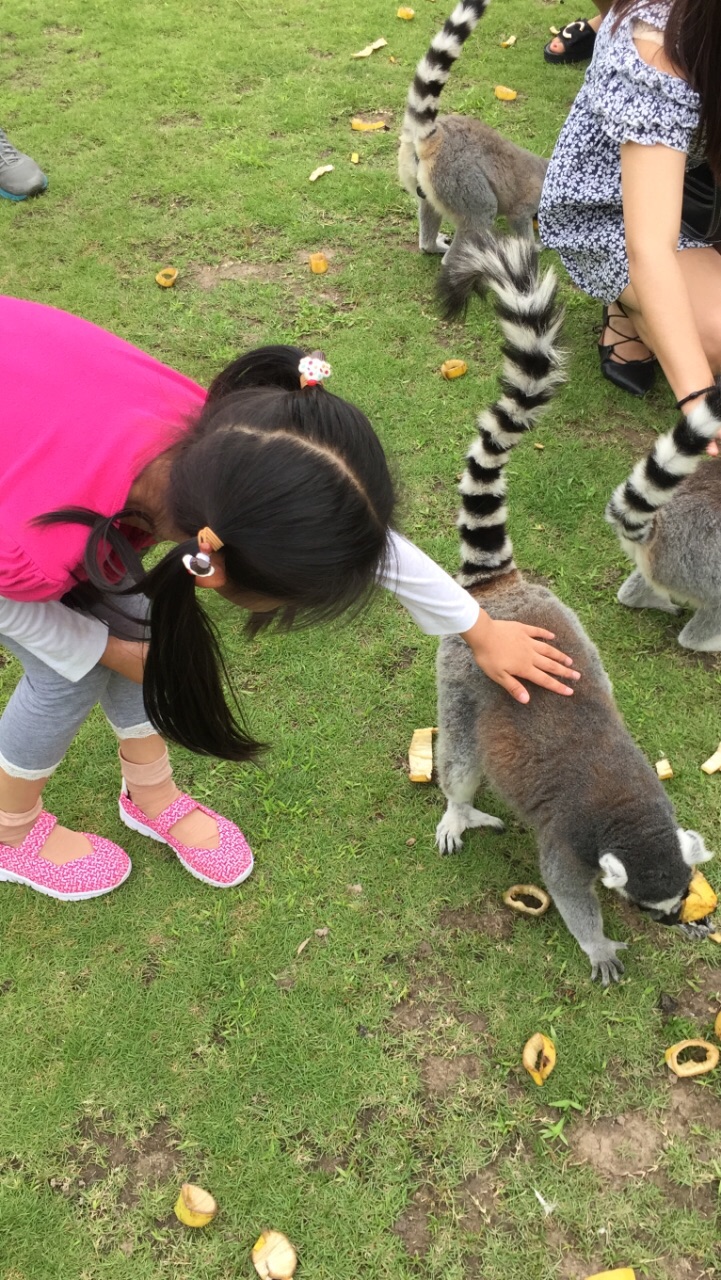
x,y
577,38
634,376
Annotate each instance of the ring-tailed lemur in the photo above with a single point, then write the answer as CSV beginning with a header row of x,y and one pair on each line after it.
x,y
668,519
461,168
567,766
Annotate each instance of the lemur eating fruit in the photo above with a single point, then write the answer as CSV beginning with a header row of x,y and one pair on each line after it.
x,y
461,168
567,766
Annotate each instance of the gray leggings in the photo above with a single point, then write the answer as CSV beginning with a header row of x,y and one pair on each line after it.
x,y
45,710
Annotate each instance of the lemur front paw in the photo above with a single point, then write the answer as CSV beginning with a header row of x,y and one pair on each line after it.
x,y
457,819
605,964
441,244
449,834
697,928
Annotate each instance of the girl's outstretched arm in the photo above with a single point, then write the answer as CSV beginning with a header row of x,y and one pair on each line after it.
x,y
506,651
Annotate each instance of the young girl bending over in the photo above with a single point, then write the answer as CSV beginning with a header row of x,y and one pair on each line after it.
x,y
275,492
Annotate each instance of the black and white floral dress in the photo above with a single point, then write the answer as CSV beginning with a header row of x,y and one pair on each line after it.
x,y
622,99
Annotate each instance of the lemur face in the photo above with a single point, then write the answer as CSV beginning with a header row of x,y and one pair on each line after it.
x,y
665,911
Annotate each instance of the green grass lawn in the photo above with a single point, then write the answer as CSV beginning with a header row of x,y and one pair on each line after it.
x,y
366,1096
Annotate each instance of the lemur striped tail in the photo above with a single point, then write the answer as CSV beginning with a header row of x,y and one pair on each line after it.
x,y
530,319
435,67
654,481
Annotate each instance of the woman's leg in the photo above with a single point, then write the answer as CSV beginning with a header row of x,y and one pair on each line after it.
x,y
37,726
701,269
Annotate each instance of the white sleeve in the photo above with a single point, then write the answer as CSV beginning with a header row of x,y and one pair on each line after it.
x,y
71,643
434,600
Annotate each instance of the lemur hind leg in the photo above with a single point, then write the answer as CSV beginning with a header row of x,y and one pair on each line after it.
x,y
571,885
703,631
429,225
637,593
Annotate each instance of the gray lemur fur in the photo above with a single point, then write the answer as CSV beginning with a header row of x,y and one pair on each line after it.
x,y
567,766
668,519
461,168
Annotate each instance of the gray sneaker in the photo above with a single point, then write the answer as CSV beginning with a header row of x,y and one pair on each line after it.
x,y
20,176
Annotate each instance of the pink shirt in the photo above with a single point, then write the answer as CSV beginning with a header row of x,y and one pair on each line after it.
x,y
83,412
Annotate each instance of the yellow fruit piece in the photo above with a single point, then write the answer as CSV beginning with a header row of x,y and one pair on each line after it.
x,y
318,263
539,1057
505,95
420,755
167,277
509,43
713,764
318,173
370,48
692,1068
715,937
514,896
405,13
454,369
621,1273
555,32
274,1257
663,769
195,1207
700,901
367,126
355,158
717,1026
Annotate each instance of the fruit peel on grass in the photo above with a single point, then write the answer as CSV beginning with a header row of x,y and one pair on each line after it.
x,y
453,369
621,1273
194,1206
691,1068
539,1057
274,1257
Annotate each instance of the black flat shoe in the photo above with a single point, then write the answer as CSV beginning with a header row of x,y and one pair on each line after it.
x,y
635,376
577,38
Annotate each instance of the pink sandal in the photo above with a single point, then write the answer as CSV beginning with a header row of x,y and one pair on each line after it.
x,y
223,867
88,877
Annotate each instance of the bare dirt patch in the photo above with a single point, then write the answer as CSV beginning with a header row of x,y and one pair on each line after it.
x,y
702,1004
441,1076
147,1162
622,1147
693,1111
476,1200
490,919
412,1226
633,1145
208,278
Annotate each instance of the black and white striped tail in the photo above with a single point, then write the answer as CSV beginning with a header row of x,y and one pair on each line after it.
x,y
530,319
435,67
653,482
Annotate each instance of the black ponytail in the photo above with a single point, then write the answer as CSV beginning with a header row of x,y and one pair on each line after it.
x,y
185,674
296,486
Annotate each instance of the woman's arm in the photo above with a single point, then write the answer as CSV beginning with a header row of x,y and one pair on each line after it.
x,y
652,190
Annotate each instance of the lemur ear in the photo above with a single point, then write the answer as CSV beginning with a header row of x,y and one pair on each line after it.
x,y
693,849
614,873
